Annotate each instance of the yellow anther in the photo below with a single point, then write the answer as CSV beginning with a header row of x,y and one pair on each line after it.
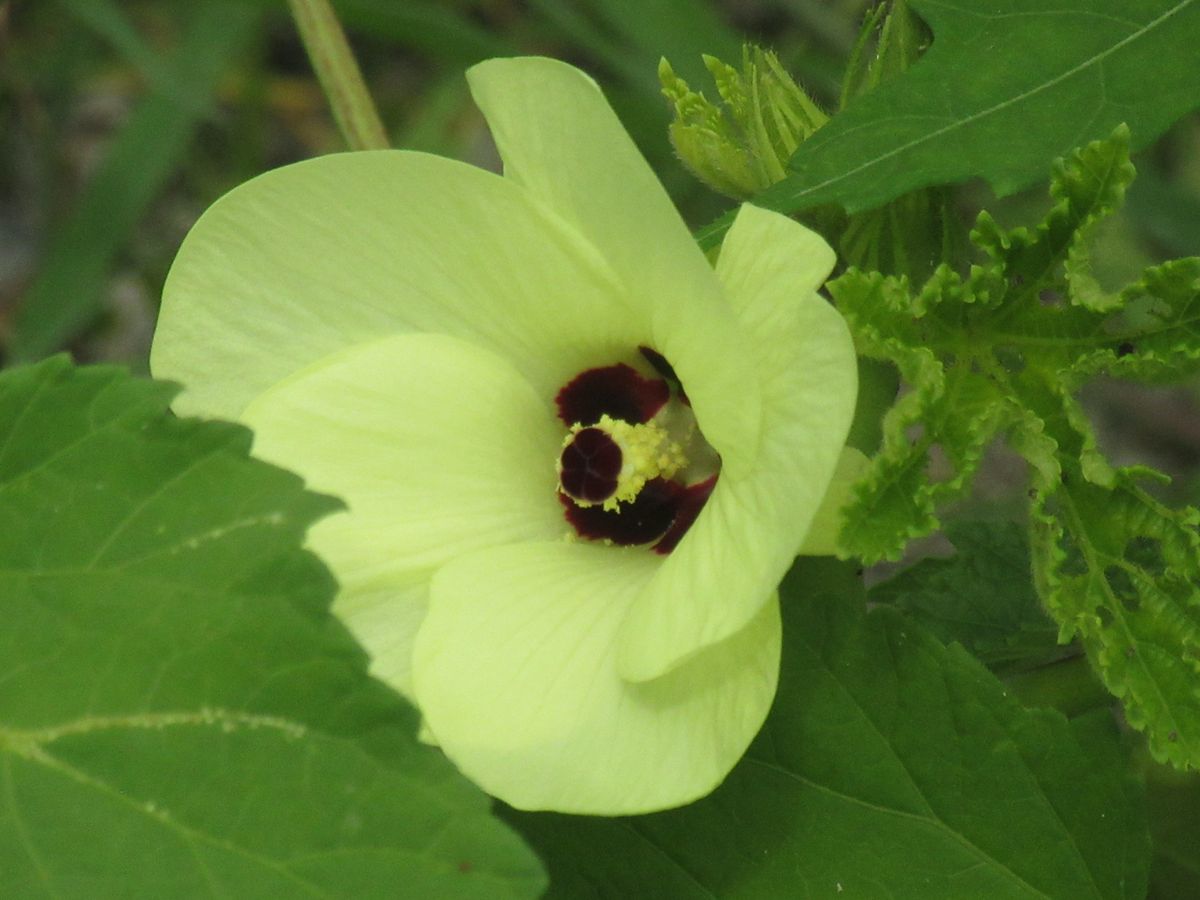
x,y
647,452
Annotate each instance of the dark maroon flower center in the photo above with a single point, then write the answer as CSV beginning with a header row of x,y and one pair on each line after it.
x,y
589,466
620,391
661,515
591,461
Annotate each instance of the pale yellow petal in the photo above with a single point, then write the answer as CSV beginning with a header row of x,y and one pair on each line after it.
x,y
305,260
728,565
561,141
437,446
515,672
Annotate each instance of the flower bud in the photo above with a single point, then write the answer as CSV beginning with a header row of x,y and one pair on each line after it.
x,y
741,146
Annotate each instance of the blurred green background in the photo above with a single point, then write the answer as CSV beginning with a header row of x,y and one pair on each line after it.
x,y
121,120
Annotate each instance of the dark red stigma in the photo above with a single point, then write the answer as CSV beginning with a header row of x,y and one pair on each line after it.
x,y
589,466
618,391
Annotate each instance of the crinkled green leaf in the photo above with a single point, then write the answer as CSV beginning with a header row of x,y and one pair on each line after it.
x,y
1085,189
1004,87
1157,335
180,715
981,353
1003,351
950,406
1122,573
890,766
982,597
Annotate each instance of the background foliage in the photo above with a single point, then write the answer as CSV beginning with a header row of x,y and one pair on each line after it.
x,y
121,120
181,715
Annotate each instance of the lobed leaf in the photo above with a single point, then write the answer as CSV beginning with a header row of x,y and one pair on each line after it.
x,y
1003,351
953,408
1086,188
1156,334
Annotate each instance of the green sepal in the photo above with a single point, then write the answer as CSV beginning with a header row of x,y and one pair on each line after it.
x,y
911,234
740,146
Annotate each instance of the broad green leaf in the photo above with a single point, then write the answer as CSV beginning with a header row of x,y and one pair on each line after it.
x,y
982,597
66,295
890,766
1002,89
180,715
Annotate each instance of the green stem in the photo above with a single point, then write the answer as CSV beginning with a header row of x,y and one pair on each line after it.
x,y
1070,686
340,78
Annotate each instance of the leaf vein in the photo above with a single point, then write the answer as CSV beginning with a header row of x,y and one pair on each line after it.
x,y
930,819
23,833
999,107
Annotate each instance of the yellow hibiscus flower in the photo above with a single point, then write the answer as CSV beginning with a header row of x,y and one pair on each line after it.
x,y
577,458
